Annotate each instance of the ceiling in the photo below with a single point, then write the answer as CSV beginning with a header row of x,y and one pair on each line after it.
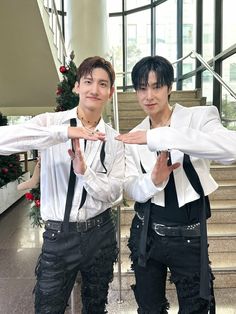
x,y
28,74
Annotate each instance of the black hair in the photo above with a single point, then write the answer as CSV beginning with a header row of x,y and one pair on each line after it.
x,y
161,66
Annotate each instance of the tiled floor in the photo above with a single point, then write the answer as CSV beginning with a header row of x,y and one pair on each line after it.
x,y
19,248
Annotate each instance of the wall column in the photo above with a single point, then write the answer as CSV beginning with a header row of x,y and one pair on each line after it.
x,y
86,28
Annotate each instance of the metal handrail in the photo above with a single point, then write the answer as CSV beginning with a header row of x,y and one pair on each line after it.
x,y
50,7
205,64
118,202
208,67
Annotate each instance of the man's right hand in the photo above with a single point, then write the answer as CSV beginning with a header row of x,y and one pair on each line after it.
x,y
161,170
81,132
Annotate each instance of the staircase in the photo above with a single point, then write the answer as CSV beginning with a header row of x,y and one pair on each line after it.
x,y
131,114
221,225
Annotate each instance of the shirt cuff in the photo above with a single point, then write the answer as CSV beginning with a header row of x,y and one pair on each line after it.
x,y
151,140
85,175
156,188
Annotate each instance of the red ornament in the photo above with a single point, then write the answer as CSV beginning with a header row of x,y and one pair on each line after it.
x,y
59,91
63,69
37,203
29,196
5,170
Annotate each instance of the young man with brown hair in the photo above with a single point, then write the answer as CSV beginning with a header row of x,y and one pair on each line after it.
x,y
79,230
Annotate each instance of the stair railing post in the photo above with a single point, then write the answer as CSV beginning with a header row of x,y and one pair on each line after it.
x,y
119,300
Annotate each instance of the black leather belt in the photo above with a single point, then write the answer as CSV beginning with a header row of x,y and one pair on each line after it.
x,y
177,231
81,226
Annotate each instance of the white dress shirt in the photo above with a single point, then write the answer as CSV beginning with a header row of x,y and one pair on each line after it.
x,y
196,131
47,132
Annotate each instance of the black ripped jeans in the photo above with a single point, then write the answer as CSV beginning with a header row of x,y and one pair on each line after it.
x,y
182,257
93,253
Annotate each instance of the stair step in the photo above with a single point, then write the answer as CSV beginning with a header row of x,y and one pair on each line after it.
x,y
190,102
132,114
131,105
132,122
175,95
222,211
223,172
226,190
219,229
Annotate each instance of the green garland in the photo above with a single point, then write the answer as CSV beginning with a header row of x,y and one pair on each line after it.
x,y
34,213
10,166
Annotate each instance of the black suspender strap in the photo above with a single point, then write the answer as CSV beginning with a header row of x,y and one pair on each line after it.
x,y
143,237
71,188
205,284
102,158
71,185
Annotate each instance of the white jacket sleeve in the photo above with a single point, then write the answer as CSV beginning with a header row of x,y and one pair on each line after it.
x,y
209,139
34,134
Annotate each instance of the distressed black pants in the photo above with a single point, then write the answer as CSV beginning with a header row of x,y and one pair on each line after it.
x,y
178,254
93,253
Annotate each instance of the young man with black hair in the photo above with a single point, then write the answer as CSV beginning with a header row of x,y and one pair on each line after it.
x,y
77,192
167,174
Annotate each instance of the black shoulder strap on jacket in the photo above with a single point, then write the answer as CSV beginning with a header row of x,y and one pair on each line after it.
x,y
71,188
205,284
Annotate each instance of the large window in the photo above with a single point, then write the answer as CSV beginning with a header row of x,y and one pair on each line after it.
x,y
132,4
229,102
207,86
229,24
188,34
232,72
150,28
114,6
166,30
208,29
137,46
115,46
